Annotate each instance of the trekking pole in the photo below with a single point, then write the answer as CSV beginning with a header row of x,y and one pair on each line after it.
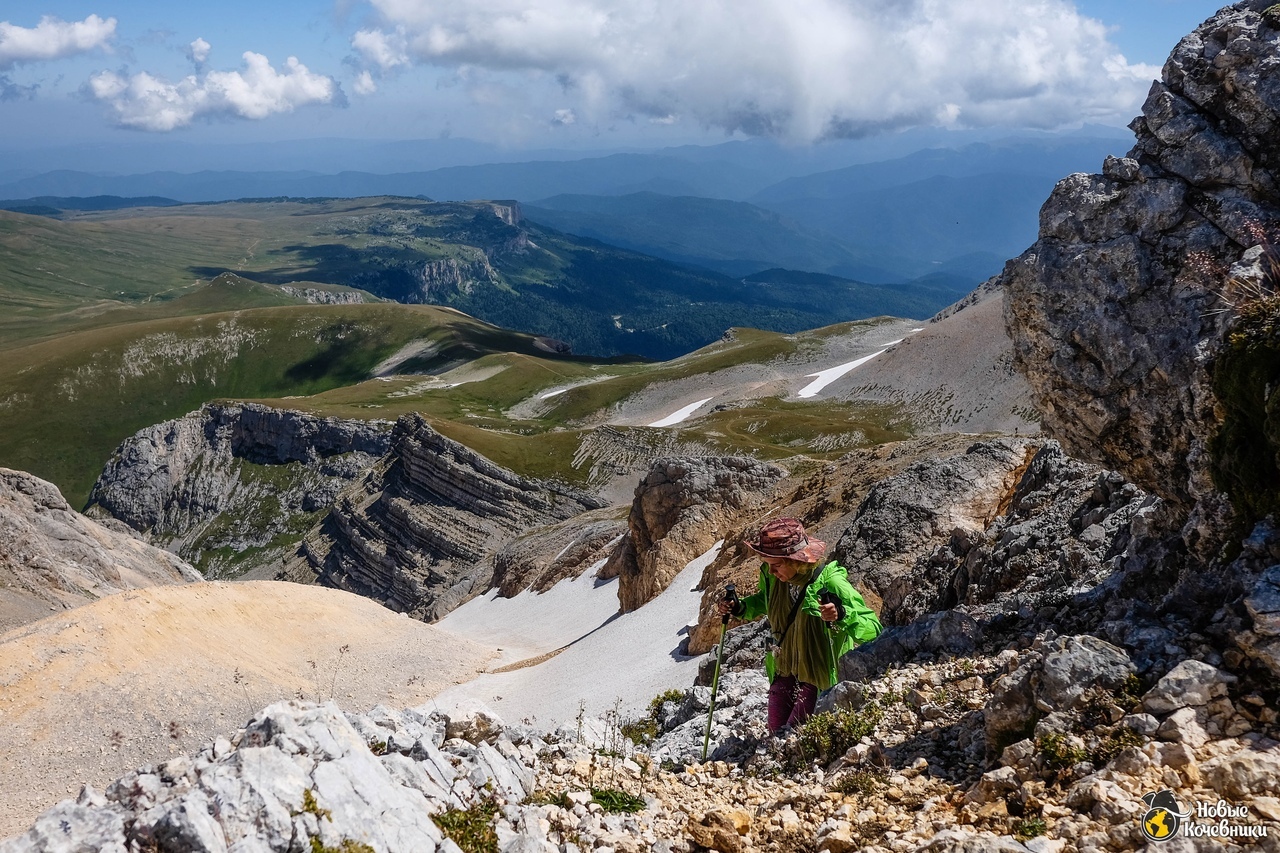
x,y
731,596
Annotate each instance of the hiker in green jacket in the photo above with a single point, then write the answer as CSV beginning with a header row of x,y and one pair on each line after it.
x,y
815,615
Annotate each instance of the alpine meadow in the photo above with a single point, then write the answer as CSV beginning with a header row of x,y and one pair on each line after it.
x,y
551,427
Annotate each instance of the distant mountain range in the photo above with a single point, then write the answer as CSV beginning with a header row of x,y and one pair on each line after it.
x,y
958,211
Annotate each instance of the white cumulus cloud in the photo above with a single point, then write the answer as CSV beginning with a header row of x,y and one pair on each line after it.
x,y
53,38
151,103
382,49
365,84
803,69
198,51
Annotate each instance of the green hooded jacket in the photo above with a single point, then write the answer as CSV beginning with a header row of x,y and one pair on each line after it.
x,y
810,649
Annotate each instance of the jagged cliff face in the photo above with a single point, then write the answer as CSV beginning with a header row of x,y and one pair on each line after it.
x,y
1130,300
1114,323
233,486
420,532
53,558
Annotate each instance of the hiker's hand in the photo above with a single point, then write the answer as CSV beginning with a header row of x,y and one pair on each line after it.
x,y
724,608
829,613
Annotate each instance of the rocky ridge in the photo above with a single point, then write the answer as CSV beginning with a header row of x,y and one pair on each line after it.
x,y
1128,304
234,485
54,558
1115,319
907,774
418,533
955,374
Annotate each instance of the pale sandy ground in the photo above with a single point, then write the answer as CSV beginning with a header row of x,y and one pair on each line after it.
x,y
91,693
956,375
607,659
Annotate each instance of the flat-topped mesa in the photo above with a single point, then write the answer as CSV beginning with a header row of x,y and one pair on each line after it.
x,y
419,533
1115,312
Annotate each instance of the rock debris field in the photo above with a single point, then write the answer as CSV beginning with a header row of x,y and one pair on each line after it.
x,y
141,676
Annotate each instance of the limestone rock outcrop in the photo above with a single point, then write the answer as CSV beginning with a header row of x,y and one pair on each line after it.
x,y
52,557
1113,319
540,558
419,532
234,479
298,776
908,515
681,508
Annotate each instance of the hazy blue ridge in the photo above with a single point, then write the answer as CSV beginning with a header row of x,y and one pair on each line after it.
x,y
915,228
730,237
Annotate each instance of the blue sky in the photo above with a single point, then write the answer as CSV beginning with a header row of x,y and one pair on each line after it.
x,y
572,72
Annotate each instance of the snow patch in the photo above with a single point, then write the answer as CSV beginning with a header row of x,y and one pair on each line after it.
x,y
680,415
610,657
831,374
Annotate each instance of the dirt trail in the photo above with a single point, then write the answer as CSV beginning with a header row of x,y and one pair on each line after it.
x,y
134,678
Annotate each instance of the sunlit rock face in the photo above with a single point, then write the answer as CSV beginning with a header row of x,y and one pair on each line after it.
x,y
1114,312
418,533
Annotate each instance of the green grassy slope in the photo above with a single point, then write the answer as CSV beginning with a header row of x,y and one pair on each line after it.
x,y
66,403
58,275
477,413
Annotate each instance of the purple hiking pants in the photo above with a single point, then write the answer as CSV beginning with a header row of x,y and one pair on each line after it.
x,y
790,701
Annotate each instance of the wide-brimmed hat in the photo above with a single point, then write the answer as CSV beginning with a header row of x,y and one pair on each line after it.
x,y
785,537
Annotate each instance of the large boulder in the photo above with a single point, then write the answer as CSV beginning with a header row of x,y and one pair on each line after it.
x,y
681,508
909,515
1115,312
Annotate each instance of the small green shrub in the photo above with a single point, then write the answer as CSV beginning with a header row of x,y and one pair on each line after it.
x,y
471,829
642,730
347,846
1130,693
859,782
310,806
616,801
646,728
1272,14
829,735
542,797
1029,827
1058,753
1115,743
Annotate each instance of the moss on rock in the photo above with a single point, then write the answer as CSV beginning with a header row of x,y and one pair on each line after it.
x,y
1246,379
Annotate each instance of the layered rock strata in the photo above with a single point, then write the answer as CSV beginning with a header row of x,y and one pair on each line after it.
x,y
52,557
549,554
681,508
223,483
419,532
